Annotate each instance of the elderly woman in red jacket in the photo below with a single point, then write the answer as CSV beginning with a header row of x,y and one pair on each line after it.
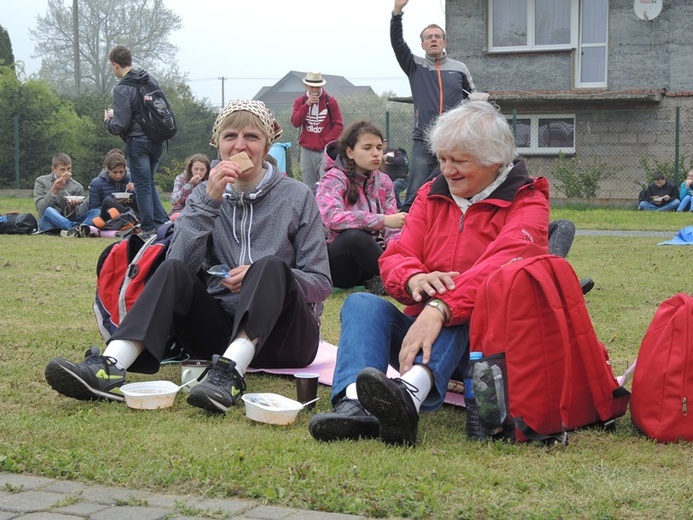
x,y
482,212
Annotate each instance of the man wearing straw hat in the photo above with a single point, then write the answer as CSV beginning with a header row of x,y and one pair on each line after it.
x,y
320,120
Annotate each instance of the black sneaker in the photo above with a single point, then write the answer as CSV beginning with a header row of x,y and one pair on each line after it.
x,y
70,233
348,420
586,284
84,231
96,377
375,286
221,389
393,405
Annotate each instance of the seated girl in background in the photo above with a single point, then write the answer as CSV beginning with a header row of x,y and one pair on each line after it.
x,y
358,207
196,170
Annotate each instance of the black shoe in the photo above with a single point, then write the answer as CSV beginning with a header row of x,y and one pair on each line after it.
x,y
393,405
586,284
84,231
70,233
375,286
221,389
348,420
96,377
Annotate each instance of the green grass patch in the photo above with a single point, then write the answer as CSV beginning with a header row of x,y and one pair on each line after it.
x,y
46,293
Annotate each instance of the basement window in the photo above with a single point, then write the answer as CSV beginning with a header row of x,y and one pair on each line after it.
x,y
546,134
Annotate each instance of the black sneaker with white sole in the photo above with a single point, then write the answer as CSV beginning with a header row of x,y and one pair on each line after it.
x,y
221,389
393,405
97,377
348,420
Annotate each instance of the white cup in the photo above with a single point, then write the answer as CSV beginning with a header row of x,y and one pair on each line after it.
x,y
192,369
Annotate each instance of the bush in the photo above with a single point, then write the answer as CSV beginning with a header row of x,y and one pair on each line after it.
x,y
667,168
578,180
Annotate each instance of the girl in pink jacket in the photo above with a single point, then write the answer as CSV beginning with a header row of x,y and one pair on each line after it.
x,y
358,207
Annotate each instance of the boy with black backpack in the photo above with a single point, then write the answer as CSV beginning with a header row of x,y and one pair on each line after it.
x,y
142,116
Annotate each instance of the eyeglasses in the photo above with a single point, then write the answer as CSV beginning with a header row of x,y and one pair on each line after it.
x,y
432,36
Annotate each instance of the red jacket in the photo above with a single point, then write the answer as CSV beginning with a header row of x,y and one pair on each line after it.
x,y
320,124
511,223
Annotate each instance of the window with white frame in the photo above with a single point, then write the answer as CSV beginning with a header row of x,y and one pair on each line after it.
x,y
550,25
532,24
546,134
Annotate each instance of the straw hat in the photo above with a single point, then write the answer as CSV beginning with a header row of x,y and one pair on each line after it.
x,y
314,79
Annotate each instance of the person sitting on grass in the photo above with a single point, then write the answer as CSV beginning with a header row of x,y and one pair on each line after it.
x,y
358,207
196,170
113,178
262,307
59,201
660,195
481,213
686,193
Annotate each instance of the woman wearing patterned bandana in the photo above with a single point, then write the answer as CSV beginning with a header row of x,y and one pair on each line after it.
x,y
262,308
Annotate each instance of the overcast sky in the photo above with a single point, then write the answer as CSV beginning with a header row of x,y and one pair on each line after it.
x,y
254,43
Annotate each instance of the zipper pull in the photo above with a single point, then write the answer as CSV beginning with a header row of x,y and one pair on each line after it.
x,y
684,406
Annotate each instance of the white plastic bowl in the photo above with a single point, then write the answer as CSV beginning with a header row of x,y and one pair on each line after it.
x,y
150,395
122,195
271,408
72,198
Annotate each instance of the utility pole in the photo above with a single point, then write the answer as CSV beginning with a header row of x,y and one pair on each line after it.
x,y
75,43
222,89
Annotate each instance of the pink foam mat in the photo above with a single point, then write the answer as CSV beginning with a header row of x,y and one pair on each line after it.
x,y
324,364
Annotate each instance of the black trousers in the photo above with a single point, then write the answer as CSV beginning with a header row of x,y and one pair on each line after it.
x,y
110,202
175,303
353,258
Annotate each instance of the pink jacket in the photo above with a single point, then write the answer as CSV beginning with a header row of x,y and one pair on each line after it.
x,y
376,199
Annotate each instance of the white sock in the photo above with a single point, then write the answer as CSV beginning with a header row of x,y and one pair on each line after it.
x,y
351,392
242,351
124,352
421,381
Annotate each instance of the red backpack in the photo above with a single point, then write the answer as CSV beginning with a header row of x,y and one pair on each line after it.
x,y
122,271
664,373
557,374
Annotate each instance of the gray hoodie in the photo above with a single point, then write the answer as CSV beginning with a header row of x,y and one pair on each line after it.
x,y
279,218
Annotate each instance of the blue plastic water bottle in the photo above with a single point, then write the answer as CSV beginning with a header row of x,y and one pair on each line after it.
x,y
474,430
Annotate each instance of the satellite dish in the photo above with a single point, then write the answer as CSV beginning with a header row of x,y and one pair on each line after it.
x,y
647,9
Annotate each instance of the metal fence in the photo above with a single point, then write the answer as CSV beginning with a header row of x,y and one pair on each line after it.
x,y
616,151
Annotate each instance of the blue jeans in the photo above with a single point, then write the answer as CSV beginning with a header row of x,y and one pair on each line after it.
x,y
422,164
399,186
372,334
685,203
52,219
143,159
669,206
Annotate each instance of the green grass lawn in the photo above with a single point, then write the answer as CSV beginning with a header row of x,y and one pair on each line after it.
x,y
46,293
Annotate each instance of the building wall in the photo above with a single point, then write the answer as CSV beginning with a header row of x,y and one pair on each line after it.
x,y
643,56
621,139
653,54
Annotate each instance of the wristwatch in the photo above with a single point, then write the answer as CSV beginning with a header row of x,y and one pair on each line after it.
x,y
440,305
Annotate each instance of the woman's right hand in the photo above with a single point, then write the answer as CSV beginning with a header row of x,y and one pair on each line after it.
x,y
223,173
431,284
395,221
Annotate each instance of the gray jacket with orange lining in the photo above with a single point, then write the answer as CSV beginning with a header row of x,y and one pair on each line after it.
x,y
436,85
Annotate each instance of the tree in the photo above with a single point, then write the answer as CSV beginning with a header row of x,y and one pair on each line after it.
x,y
143,26
6,54
47,125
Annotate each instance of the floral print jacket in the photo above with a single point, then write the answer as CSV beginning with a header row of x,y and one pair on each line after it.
x,y
376,199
